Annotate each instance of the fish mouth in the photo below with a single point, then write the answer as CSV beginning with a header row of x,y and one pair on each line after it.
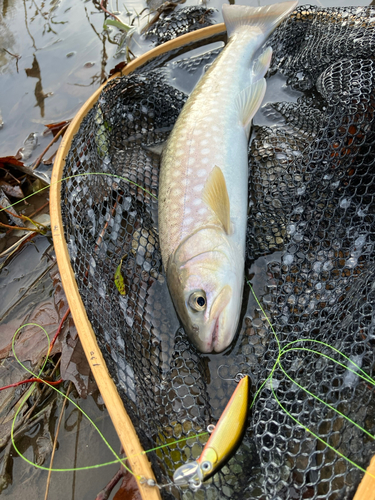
x,y
213,338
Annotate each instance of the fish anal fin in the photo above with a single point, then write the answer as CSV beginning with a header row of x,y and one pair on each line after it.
x,y
215,195
249,101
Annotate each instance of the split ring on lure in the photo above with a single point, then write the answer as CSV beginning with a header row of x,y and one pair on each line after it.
x,y
223,440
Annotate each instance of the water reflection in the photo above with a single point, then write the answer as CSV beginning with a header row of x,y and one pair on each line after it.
x,y
34,72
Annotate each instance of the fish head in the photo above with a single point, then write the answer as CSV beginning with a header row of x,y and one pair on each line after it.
x,y
206,283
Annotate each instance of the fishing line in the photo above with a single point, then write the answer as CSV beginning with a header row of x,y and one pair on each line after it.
x,y
96,466
79,175
363,375
277,363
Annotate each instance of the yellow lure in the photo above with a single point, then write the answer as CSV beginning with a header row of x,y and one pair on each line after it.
x,y
222,442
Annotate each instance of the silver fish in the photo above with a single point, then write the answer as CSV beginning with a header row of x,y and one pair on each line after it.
x,y
204,176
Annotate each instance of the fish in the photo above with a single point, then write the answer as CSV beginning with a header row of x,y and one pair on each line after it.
x,y
203,194
222,442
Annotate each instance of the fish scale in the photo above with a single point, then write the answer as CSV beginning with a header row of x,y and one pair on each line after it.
x,y
203,181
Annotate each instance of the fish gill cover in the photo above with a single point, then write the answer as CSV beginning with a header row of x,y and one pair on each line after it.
x,y
310,257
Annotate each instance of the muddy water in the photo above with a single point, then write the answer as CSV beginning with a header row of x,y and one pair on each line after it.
x,y
56,55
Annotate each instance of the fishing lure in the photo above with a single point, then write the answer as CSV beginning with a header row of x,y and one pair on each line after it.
x,y
223,440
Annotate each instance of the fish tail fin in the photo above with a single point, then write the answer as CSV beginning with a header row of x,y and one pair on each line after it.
x,y
267,17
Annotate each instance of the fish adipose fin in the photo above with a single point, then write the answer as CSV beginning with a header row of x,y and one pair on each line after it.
x,y
261,65
249,101
215,195
267,17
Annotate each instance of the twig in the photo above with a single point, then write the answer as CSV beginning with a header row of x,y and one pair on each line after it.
x,y
49,160
29,381
40,157
107,11
11,213
39,209
8,173
13,55
55,440
58,331
33,229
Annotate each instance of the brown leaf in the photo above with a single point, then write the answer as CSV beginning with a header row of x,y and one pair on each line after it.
x,y
128,489
32,344
11,160
119,67
56,127
9,190
74,365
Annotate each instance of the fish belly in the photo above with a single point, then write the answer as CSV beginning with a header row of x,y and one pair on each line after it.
x,y
208,133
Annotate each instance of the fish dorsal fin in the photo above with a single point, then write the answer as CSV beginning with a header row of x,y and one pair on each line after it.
x,y
215,195
261,65
249,100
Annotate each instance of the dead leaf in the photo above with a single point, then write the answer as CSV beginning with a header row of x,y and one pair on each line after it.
x,y
119,280
11,160
56,127
32,344
128,489
119,67
9,190
4,202
74,365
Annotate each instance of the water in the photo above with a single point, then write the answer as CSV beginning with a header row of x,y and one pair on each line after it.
x,y
56,56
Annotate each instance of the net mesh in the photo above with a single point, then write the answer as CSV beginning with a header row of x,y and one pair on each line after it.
x,y
310,259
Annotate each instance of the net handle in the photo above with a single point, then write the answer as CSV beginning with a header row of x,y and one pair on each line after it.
x,y
138,462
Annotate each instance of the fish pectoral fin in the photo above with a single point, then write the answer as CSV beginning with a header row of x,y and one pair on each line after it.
x,y
249,101
156,149
215,195
261,65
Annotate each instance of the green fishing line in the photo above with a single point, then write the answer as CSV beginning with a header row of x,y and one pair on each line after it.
x,y
282,351
96,466
277,363
80,175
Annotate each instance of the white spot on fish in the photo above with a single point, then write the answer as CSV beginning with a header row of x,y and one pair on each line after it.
x,y
197,201
215,128
198,188
207,119
205,161
188,221
197,132
187,210
202,172
205,151
191,161
180,152
202,211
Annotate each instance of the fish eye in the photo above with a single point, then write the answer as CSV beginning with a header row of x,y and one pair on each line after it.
x,y
197,301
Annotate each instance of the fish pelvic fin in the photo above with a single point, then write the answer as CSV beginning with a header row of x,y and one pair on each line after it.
x,y
249,101
215,195
267,17
262,64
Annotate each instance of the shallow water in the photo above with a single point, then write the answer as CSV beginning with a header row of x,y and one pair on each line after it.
x,y
64,57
